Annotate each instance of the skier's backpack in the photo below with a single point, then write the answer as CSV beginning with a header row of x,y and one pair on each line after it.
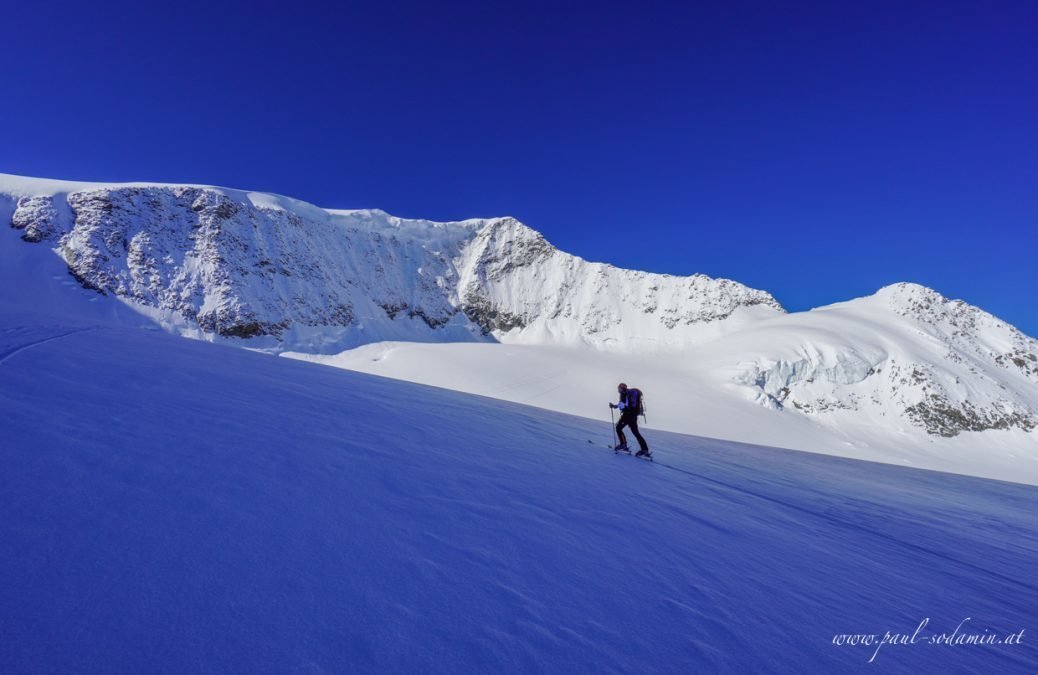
x,y
641,402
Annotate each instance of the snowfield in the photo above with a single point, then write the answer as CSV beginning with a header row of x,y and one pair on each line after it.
x,y
176,506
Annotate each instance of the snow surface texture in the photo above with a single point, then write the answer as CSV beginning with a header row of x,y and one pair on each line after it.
x,y
904,376
174,506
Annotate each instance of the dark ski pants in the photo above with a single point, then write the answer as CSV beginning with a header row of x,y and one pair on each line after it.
x,y
630,419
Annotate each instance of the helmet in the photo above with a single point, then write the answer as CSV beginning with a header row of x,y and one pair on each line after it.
x,y
621,386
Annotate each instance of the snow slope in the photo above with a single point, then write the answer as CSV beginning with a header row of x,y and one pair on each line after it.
x,y
175,506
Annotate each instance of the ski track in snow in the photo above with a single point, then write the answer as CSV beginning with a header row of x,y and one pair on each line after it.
x,y
7,352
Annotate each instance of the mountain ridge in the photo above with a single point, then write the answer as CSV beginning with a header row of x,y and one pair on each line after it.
x,y
246,265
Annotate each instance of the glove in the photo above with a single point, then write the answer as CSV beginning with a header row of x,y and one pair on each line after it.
x,y
612,405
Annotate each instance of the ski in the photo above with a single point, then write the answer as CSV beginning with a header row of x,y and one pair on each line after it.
x,y
618,450
646,458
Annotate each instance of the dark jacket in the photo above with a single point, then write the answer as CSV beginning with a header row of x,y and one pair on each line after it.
x,y
630,402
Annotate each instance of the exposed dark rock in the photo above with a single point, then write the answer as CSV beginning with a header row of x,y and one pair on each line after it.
x,y
38,217
940,417
481,312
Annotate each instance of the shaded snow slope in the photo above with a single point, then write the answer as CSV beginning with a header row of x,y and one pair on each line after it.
x,y
174,506
282,273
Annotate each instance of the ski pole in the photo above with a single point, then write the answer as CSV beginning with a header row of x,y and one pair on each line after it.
x,y
612,425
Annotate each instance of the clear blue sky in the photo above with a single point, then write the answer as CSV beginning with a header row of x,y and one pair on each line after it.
x,y
818,150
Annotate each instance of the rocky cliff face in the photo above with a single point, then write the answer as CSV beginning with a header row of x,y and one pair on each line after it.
x,y
511,278
290,275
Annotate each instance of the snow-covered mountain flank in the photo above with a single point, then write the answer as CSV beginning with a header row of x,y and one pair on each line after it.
x,y
904,376
251,265
947,366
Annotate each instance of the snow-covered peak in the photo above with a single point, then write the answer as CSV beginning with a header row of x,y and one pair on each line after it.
x,y
904,354
964,326
922,303
906,290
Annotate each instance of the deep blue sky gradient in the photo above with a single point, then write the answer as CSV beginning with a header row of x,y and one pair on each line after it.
x,y
818,150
